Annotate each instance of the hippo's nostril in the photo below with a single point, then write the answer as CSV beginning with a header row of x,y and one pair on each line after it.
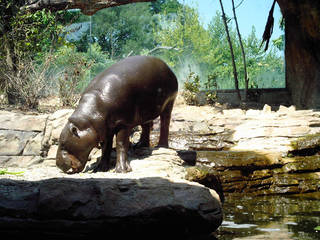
x,y
62,160
63,166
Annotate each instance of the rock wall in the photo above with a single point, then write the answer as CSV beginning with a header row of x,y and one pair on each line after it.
x,y
257,173
26,139
260,152
208,128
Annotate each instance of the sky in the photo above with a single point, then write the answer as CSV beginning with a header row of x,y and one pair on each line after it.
x,y
249,13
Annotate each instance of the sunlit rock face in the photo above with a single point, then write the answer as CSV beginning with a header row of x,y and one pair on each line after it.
x,y
252,151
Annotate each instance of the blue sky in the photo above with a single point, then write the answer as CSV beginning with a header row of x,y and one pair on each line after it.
x,y
250,13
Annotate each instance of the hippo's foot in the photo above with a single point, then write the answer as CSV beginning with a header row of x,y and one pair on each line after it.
x,y
102,166
162,146
123,167
141,144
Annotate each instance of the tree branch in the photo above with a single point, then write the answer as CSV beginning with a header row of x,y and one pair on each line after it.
x,y
163,47
87,7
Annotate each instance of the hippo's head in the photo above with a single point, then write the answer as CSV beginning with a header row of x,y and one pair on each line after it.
x,y
75,145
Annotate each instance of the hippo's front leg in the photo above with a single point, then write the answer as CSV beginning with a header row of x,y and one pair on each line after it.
x,y
122,165
104,163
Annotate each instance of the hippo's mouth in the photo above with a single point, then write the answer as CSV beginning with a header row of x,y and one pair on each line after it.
x,y
68,163
76,165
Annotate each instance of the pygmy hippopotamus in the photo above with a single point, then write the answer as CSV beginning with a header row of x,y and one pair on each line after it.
x,y
131,92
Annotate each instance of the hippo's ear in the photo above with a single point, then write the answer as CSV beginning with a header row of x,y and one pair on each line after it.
x,y
74,130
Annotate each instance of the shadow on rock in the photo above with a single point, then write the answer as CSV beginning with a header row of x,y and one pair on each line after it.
x,y
78,208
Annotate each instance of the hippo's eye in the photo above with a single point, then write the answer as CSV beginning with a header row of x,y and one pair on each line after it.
x,y
74,131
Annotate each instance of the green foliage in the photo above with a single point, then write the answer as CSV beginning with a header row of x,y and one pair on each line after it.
x,y
100,61
211,97
317,228
167,6
119,31
25,40
208,51
166,29
191,88
186,33
212,86
73,70
32,32
279,42
265,70
72,66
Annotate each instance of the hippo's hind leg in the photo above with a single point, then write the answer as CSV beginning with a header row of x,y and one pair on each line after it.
x,y
122,165
165,117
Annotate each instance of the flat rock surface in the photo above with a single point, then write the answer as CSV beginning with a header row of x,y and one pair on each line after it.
x,y
22,122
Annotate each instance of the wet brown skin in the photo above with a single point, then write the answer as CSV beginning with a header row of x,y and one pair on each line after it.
x,y
131,92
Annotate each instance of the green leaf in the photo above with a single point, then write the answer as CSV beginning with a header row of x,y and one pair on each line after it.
x,y
317,228
5,171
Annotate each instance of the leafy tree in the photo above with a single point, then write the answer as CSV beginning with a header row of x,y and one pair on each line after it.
x,y
120,31
72,70
258,62
190,40
266,69
222,68
165,6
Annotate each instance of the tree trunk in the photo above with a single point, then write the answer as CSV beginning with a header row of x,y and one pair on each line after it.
x,y
10,64
235,73
246,80
302,51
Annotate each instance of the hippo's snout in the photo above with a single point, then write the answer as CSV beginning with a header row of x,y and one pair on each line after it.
x,y
62,160
66,161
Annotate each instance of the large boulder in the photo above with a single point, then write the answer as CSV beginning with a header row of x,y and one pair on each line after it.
x,y
153,199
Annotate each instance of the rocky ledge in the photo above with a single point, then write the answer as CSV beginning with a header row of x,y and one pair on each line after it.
x,y
257,172
153,199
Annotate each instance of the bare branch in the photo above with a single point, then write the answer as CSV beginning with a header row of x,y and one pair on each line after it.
x,y
87,7
239,4
163,47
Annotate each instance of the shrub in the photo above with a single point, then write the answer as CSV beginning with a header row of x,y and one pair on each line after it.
x,y
74,70
70,67
28,82
212,86
191,88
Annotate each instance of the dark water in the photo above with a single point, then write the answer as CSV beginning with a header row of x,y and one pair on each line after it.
x,y
273,218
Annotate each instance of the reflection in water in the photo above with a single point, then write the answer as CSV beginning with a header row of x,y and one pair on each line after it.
x,y
275,217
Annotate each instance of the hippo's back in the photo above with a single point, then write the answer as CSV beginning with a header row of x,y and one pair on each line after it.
x,y
135,74
136,89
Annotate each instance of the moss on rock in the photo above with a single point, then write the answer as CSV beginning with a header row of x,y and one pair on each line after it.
x,y
311,141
